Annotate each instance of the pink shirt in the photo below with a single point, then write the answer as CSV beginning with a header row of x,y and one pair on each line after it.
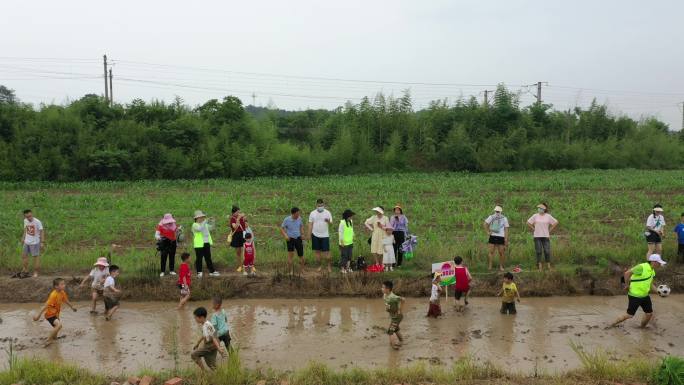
x,y
541,224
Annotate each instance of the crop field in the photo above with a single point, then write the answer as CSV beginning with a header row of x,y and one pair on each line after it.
x,y
601,213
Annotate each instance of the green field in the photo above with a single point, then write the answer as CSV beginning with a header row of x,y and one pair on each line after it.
x,y
601,214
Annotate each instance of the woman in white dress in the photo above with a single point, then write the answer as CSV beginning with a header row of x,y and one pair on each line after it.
x,y
376,225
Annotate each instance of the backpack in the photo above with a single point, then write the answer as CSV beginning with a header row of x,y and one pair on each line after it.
x,y
496,224
360,264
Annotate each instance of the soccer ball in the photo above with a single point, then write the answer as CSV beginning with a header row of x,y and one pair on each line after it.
x,y
663,290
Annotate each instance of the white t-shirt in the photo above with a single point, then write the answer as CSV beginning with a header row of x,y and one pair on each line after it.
x,y
32,230
109,282
98,277
499,221
320,226
208,331
657,223
435,293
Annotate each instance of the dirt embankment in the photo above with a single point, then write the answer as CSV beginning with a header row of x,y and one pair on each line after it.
x,y
315,285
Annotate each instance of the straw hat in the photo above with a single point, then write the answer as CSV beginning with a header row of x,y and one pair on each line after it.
x,y
168,218
542,206
498,209
378,210
102,261
199,214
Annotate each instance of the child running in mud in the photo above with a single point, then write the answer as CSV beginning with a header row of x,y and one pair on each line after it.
x,y
250,254
207,346
112,295
395,306
184,280
509,293
462,287
220,322
98,275
434,310
53,307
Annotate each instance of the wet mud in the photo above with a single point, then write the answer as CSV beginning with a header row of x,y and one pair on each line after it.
x,y
345,333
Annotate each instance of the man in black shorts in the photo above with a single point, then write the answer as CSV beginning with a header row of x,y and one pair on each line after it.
x,y
640,279
496,226
292,230
319,220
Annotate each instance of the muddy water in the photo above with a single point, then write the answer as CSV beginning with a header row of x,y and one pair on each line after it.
x,y
286,334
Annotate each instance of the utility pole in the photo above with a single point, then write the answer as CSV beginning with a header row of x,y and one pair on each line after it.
x,y
486,97
253,99
105,79
111,89
682,116
539,85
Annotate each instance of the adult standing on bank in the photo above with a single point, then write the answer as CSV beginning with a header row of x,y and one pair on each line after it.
x,y
346,237
319,219
496,226
399,223
542,225
655,224
166,243
292,229
202,242
238,226
376,226
32,241
640,279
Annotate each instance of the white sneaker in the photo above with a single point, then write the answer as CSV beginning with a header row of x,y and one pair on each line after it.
x,y
391,268
162,274
199,274
245,273
172,272
215,274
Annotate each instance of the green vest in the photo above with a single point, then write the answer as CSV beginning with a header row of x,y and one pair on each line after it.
x,y
640,285
347,233
198,239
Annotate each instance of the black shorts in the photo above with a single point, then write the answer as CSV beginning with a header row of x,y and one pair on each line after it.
x,y
296,244
110,303
52,320
495,240
636,302
680,252
508,307
238,239
320,244
458,294
653,237
225,339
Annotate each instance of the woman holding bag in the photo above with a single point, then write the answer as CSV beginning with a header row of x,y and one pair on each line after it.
x,y
238,226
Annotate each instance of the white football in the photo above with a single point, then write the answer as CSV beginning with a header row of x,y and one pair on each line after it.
x,y
663,290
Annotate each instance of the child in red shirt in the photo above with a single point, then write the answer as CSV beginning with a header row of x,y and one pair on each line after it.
x,y
250,253
462,286
184,280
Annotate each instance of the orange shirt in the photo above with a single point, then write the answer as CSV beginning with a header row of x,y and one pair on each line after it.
x,y
54,303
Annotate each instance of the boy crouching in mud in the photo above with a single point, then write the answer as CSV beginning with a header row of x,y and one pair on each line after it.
x,y
53,307
394,305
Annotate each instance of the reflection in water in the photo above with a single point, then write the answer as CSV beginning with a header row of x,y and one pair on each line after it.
x,y
342,332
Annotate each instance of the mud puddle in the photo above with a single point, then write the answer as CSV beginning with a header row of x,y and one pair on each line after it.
x,y
343,333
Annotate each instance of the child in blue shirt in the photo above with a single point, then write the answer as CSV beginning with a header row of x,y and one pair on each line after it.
x,y
219,320
679,229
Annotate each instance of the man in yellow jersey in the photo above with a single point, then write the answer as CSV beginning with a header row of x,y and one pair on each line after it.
x,y
640,279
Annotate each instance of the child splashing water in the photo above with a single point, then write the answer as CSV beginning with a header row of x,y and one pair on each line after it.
x,y
434,309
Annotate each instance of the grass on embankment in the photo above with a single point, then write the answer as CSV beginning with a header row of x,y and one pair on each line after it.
x,y
598,368
601,214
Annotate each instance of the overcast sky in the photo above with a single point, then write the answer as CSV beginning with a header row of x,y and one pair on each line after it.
x,y
298,54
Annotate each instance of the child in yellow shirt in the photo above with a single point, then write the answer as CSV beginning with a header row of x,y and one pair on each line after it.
x,y
509,293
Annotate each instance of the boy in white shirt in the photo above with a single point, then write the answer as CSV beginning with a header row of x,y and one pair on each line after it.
x,y
32,241
207,346
111,293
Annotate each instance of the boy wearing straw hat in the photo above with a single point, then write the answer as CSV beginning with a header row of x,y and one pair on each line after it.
x,y
98,274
